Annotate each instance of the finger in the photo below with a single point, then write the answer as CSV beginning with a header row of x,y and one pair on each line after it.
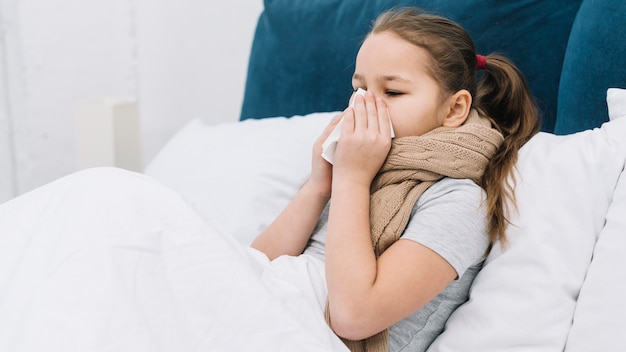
x,y
372,112
348,121
360,112
384,120
333,123
329,128
351,101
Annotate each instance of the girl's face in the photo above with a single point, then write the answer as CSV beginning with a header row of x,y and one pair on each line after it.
x,y
395,70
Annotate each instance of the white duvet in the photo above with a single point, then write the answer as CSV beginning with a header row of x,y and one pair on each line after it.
x,y
108,260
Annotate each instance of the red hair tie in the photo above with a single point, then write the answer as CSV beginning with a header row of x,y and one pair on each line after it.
x,y
481,62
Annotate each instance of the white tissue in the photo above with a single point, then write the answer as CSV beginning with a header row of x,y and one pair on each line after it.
x,y
330,144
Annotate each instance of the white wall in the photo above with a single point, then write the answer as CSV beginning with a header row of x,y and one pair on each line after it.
x,y
193,57
7,175
56,54
182,60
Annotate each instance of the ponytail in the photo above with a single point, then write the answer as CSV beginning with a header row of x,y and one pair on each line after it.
x,y
503,95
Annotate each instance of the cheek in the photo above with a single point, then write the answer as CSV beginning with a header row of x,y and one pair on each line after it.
x,y
404,124
411,121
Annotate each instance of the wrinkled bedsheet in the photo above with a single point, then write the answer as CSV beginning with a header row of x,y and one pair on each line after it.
x,y
109,260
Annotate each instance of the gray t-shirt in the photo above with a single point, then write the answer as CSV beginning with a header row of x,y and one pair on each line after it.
x,y
450,219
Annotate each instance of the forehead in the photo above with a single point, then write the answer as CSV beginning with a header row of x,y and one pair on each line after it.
x,y
387,52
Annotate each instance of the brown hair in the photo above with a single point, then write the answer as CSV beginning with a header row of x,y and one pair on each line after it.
x,y
501,94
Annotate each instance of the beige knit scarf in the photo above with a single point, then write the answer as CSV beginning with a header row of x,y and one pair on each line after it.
x,y
413,165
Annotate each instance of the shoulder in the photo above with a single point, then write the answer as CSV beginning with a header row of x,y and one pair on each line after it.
x,y
452,189
451,204
450,218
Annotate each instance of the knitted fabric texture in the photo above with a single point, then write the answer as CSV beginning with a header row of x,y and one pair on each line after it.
x,y
413,165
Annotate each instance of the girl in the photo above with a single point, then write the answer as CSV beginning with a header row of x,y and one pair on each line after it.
x,y
409,224
108,260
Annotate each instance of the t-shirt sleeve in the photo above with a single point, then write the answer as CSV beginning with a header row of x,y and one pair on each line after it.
x,y
450,219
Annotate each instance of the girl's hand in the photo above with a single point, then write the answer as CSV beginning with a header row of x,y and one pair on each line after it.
x,y
365,140
321,170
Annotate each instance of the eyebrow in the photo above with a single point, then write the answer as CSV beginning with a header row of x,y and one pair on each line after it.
x,y
388,78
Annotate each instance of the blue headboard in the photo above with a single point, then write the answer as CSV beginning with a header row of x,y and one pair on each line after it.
x,y
570,51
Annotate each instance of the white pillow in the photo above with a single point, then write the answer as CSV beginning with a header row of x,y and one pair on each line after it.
x,y
600,317
240,175
525,296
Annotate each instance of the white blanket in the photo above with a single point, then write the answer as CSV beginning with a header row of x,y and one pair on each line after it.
x,y
108,260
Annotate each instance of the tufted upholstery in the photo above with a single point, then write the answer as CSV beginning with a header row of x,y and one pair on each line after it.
x,y
303,53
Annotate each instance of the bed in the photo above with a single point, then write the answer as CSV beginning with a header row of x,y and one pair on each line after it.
x,y
557,286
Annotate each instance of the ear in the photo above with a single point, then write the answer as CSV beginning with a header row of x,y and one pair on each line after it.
x,y
458,106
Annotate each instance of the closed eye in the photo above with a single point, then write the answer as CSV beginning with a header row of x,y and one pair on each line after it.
x,y
393,93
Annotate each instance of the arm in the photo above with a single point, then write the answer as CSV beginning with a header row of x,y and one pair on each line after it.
x,y
367,295
290,231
